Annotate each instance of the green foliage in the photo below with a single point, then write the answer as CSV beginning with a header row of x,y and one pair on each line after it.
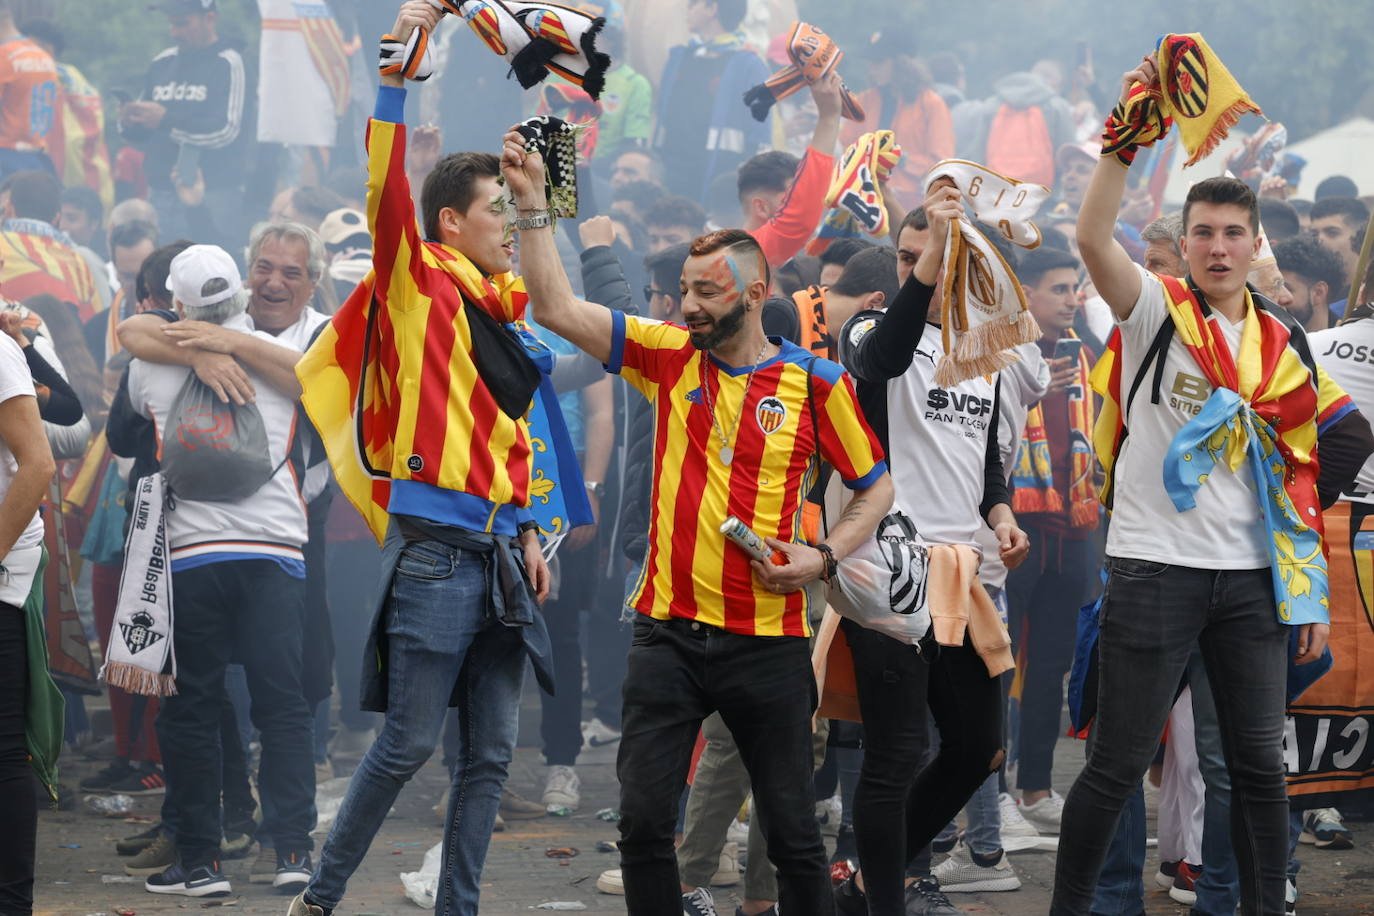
x,y
1303,61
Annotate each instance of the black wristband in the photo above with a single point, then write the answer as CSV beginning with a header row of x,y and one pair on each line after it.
x,y
523,527
831,564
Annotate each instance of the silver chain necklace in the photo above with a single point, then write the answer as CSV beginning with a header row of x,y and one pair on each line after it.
x,y
727,454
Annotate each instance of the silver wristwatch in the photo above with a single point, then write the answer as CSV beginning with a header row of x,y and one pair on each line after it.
x,y
540,220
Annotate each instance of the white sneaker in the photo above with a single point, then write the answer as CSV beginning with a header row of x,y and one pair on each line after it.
x,y
698,903
598,734
610,881
1045,814
959,874
563,791
828,814
1290,899
727,871
1017,832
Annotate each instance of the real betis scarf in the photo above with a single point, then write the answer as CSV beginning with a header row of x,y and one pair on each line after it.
x,y
1265,412
351,392
1033,473
1196,92
855,198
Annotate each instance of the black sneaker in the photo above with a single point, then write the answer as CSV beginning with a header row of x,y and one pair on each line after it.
x,y
117,771
146,780
924,898
293,872
202,881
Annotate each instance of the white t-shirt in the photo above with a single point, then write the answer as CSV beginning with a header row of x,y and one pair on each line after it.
x,y
1347,355
1225,530
22,561
937,440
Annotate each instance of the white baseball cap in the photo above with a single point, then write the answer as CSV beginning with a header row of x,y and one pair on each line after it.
x,y
203,275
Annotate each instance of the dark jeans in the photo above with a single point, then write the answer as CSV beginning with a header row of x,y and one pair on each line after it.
x,y
762,686
252,612
1043,597
239,805
1120,886
560,721
355,567
1152,615
900,805
19,810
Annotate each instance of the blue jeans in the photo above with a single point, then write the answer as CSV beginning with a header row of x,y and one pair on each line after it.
x,y
442,637
984,834
1120,890
1153,614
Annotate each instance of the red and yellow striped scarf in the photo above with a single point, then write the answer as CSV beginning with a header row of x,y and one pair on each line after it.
x,y
1268,373
1033,474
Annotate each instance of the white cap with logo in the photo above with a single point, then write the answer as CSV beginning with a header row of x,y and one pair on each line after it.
x,y
203,275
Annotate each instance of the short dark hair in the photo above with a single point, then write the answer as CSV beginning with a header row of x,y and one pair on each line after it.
x,y
916,219
1304,255
152,276
643,194
34,195
453,183
945,67
1336,186
1351,209
315,202
86,200
730,13
676,211
1301,206
1223,190
47,32
722,239
665,268
873,270
841,250
1279,219
1037,262
770,171
134,232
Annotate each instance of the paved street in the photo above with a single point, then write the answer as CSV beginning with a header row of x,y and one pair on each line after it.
x,y
519,876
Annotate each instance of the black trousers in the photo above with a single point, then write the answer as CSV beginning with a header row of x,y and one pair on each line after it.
x,y
679,673
900,805
19,808
250,611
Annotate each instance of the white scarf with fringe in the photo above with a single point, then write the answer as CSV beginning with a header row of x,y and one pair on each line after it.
x,y
983,309
140,659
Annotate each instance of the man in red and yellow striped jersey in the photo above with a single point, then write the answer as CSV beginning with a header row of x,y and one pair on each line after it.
x,y
740,420
420,393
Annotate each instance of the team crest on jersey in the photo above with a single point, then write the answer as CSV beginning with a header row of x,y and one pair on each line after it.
x,y
857,332
771,414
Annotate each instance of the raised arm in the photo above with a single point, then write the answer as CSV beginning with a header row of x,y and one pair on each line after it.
x,y
552,300
1111,268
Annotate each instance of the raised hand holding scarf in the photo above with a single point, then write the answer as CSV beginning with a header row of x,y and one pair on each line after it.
x,y
1033,473
536,38
855,197
1196,92
983,310
814,56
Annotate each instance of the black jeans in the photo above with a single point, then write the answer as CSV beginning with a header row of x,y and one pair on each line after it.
x,y
762,686
19,810
1152,615
1043,597
248,611
560,721
899,805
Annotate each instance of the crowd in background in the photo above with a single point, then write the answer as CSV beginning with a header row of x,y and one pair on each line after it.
x,y
117,206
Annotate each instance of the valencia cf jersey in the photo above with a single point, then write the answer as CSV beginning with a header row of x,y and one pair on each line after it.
x,y
773,427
